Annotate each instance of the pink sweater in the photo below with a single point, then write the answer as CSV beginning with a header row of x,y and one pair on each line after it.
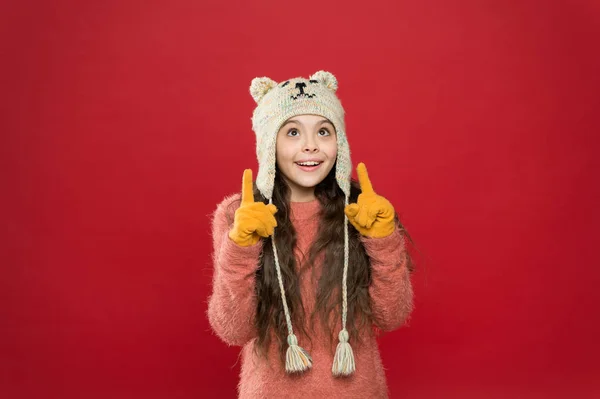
x,y
232,307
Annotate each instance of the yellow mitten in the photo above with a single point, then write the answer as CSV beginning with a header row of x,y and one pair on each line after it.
x,y
372,215
252,220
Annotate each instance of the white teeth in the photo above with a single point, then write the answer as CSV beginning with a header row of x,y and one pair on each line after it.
x,y
308,163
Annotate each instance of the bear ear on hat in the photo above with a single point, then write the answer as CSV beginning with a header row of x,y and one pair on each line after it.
x,y
327,79
260,87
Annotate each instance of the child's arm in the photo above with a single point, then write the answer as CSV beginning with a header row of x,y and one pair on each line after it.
x,y
232,305
391,290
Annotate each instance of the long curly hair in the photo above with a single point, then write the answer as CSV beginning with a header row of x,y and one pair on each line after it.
x,y
270,316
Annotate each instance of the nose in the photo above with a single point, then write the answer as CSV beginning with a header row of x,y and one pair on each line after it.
x,y
300,86
310,145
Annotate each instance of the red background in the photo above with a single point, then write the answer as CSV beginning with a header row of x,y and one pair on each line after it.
x,y
125,122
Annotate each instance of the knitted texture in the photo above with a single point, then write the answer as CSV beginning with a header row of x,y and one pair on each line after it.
x,y
233,301
278,102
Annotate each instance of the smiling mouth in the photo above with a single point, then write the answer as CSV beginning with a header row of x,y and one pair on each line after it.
x,y
302,95
308,166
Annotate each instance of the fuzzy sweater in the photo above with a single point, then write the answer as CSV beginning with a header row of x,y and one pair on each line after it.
x,y
232,307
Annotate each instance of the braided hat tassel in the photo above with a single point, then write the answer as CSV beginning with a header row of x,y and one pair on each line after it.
x,y
297,359
343,362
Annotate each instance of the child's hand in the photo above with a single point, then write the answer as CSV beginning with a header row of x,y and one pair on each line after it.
x,y
372,215
253,220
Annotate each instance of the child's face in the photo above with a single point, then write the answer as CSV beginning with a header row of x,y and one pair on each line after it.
x,y
305,138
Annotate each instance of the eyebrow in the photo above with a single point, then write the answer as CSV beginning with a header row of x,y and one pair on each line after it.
x,y
321,122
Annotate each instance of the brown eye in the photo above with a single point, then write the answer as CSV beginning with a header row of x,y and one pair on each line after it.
x,y
291,131
325,132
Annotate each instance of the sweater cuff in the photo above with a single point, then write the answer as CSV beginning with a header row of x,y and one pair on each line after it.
x,y
236,258
381,250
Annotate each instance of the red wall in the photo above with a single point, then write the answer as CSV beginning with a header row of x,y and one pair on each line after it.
x,y
124,123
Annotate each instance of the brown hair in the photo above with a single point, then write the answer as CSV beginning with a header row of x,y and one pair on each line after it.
x,y
330,239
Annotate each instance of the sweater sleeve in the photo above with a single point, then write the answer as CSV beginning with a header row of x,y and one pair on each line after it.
x,y
232,304
391,289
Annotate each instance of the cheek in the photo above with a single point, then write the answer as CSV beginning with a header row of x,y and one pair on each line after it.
x,y
283,154
285,150
332,151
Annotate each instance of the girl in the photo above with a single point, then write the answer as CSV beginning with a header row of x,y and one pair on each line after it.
x,y
307,255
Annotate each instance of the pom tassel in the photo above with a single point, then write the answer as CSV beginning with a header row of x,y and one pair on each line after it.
x,y
343,362
297,359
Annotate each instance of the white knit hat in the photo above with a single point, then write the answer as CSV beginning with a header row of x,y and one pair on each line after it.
x,y
277,102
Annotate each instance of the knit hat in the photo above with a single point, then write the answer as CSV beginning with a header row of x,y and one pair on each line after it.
x,y
276,103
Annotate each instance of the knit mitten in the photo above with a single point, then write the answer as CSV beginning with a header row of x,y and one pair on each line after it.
x,y
252,220
372,214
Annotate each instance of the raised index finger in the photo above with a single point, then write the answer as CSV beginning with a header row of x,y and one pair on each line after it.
x,y
247,192
363,178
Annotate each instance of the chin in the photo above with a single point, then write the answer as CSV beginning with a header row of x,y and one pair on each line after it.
x,y
307,184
